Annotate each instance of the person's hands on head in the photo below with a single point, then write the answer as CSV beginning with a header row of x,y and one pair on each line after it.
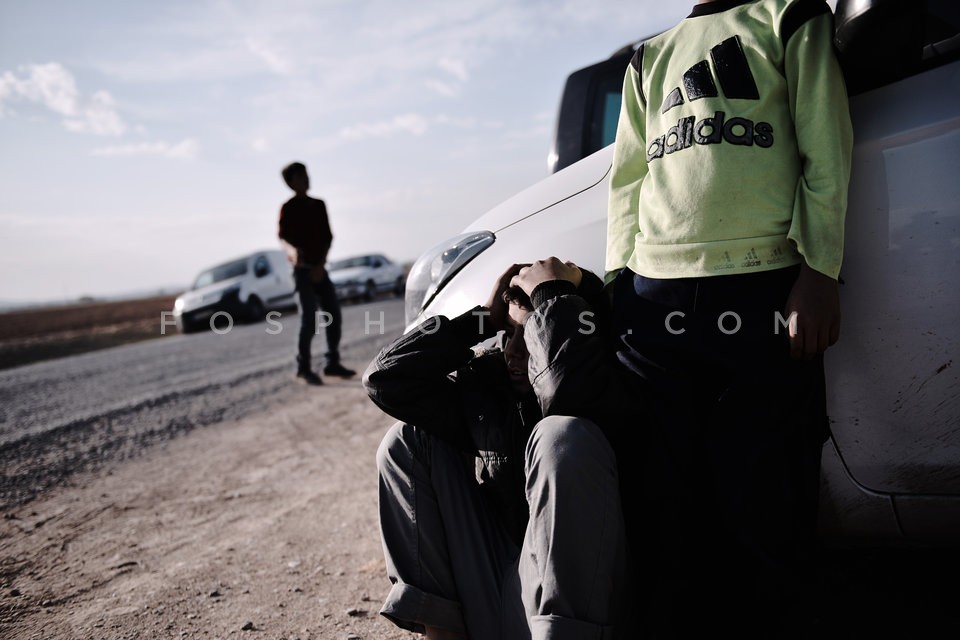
x,y
496,303
815,299
531,276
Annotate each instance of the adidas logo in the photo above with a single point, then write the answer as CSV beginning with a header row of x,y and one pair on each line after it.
x,y
737,82
733,74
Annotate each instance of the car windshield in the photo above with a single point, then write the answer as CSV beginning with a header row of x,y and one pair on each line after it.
x,y
349,263
220,273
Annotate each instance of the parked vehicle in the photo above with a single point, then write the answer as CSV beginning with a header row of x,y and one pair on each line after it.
x,y
366,276
244,289
891,468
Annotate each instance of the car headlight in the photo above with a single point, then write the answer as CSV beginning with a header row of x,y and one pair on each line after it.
x,y
434,268
178,305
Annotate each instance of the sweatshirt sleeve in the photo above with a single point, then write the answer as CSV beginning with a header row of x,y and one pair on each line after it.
x,y
414,378
820,110
571,366
628,171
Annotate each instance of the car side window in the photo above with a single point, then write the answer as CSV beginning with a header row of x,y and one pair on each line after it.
x,y
880,42
942,31
605,111
261,267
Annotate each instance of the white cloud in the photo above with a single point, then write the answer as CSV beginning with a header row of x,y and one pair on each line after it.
x,y
186,149
275,61
466,122
443,88
411,123
52,86
455,67
98,116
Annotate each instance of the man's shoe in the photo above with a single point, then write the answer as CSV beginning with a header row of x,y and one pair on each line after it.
x,y
338,370
309,377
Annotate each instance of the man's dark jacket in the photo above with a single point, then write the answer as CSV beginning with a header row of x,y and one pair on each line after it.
x,y
432,378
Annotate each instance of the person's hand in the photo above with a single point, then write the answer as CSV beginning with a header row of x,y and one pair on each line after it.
x,y
542,271
815,298
495,303
293,255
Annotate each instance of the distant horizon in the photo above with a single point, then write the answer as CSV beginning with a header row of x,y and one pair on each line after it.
x,y
133,294
17,305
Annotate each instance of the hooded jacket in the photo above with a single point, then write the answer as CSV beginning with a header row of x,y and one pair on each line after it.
x,y
434,378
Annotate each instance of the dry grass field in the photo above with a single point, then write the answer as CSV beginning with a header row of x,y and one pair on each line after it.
x,y
31,335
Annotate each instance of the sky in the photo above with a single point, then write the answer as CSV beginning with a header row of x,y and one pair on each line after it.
x,y
141,142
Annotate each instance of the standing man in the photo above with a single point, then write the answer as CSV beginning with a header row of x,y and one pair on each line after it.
x,y
305,233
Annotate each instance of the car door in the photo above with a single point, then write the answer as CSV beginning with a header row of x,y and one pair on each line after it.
x,y
268,283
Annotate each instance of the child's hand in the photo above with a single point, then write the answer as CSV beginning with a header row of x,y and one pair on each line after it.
x,y
815,298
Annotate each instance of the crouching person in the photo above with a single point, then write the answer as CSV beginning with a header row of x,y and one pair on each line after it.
x,y
499,498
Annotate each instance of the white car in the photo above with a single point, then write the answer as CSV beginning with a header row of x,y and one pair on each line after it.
x,y
366,276
891,467
240,290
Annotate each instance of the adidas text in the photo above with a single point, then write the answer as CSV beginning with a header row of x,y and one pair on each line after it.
x,y
712,130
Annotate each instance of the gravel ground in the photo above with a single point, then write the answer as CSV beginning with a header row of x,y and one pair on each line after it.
x,y
189,488
258,528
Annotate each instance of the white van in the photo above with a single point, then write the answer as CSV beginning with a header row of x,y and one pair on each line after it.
x,y
244,288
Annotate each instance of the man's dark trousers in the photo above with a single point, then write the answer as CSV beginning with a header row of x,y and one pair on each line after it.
x,y
313,297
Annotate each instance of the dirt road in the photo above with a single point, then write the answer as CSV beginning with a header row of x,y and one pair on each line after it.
x,y
188,488
262,528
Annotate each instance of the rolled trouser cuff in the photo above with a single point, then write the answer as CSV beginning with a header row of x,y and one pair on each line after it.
x,y
413,609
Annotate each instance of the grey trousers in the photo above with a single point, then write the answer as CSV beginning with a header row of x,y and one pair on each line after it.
x,y
452,564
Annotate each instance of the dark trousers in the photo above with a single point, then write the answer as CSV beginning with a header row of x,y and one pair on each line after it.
x,y
737,438
311,298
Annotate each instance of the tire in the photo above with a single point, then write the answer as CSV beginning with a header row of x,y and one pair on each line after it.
x,y
398,287
255,311
370,292
186,326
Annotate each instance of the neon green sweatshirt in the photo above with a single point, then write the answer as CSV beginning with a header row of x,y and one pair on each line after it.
x,y
733,146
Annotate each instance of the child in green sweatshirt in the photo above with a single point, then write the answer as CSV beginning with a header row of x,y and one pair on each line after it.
x,y
725,239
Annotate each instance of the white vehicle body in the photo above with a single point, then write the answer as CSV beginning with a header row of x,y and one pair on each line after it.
x,y
891,468
244,288
365,276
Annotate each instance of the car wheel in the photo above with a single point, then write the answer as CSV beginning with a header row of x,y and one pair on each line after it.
x,y
398,286
370,291
186,326
255,310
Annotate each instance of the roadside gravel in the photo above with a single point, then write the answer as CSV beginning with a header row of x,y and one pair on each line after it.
x,y
260,528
